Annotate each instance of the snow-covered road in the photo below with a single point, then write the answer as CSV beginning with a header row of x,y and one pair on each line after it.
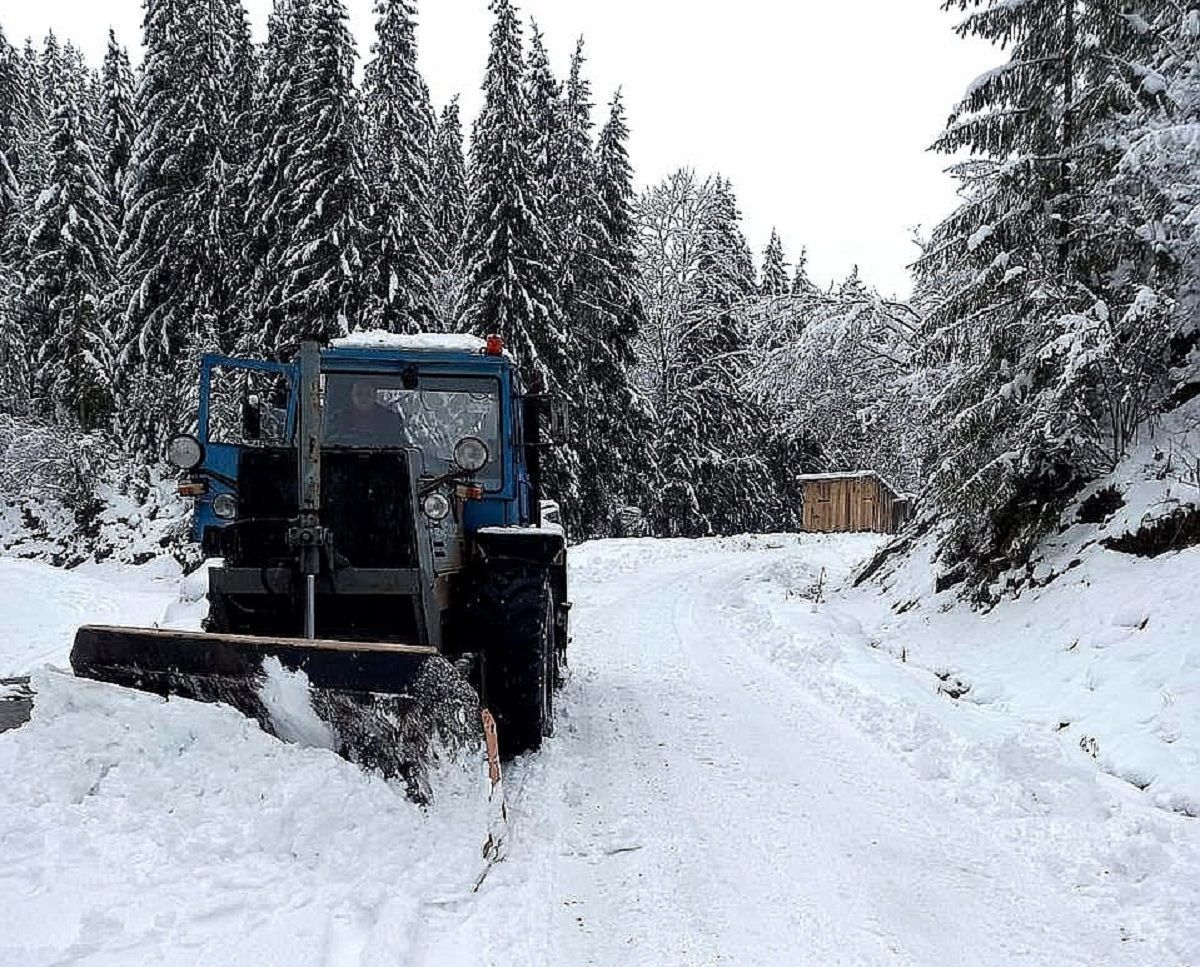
x,y
700,805
738,777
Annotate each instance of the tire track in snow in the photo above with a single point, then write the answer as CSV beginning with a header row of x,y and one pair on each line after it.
x,y
699,807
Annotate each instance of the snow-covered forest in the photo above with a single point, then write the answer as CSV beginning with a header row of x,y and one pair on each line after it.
x,y
238,197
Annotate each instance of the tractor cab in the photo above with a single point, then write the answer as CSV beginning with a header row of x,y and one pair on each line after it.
x,y
456,402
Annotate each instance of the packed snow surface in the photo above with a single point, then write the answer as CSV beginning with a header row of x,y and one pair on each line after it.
x,y
42,606
744,771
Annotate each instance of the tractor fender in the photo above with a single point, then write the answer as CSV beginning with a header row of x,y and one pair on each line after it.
x,y
542,546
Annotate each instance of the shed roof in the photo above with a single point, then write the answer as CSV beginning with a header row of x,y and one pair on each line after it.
x,y
853,475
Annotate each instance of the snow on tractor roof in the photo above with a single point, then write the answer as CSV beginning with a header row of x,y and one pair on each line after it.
x,y
417,342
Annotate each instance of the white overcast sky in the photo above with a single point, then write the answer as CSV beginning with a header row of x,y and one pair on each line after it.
x,y
820,111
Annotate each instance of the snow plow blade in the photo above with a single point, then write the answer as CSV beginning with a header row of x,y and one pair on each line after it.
x,y
398,709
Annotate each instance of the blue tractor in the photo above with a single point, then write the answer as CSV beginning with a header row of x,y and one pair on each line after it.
x,y
375,520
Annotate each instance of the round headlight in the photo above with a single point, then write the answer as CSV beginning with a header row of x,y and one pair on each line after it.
x,y
225,506
436,506
471,453
184,452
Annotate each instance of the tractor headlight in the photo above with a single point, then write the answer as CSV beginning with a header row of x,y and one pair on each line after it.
x,y
471,454
436,506
225,506
185,452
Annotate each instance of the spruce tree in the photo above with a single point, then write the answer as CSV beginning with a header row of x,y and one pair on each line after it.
x,y
34,122
401,254
450,199
615,459
12,120
509,283
449,183
774,272
802,285
1031,275
321,291
271,197
579,207
70,252
546,136
175,262
716,479
12,107
509,280
119,123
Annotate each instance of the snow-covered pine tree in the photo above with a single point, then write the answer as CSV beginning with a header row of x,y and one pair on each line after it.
x,y
401,250
509,284
174,264
774,281
12,108
1031,273
34,120
698,281
272,206
243,72
579,213
509,279
852,288
70,256
51,73
450,198
321,292
12,122
1157,192
802,285
119,123
616,464
544,95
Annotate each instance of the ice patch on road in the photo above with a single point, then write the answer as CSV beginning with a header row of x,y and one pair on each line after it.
x,y
288,701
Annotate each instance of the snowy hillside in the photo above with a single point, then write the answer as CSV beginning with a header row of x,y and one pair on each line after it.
x,y
744,771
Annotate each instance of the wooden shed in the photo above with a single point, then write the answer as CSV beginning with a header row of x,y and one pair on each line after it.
x,y
856,501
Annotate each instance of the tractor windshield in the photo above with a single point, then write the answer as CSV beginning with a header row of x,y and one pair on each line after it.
x,y
431,413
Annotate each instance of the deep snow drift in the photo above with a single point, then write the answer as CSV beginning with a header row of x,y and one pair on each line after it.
x,y
744,772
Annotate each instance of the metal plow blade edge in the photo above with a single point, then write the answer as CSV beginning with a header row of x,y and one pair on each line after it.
x,y
402,710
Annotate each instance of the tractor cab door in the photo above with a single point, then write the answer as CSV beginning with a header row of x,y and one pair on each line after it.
x,y
244,403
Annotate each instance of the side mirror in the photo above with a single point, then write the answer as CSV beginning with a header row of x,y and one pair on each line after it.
x,y
557,426
548,419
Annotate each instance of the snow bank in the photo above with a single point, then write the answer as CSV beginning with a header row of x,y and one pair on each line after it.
x,y
1106,656
138,830
1090,642
43,605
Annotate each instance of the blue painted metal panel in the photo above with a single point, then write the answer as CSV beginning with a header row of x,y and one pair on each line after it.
x,y
508,506
220,464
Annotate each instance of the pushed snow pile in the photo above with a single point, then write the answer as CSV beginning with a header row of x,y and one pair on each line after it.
x,y
286,696
417,342
138,830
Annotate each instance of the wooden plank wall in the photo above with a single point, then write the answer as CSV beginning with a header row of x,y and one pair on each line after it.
x,y
848,504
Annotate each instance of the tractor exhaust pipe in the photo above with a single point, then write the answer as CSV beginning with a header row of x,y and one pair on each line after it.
x,y
309,535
